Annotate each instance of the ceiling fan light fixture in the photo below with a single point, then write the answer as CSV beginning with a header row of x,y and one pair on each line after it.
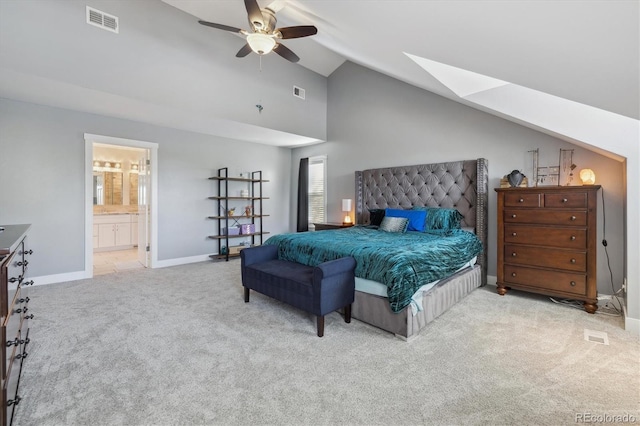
x,y
261,43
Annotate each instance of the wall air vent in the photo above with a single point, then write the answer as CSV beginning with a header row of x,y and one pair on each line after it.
x,y
298,92
102,20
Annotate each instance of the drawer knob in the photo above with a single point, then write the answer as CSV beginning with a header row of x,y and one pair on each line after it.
x,y
514,254
11,402
514,234
27,283
22,356
573,218
573,261
521,200
30,316
564,200
23,300
28,252
513,215
573,283
513,274
15,342
573,238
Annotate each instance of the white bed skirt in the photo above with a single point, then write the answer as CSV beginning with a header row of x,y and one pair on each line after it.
x,y
375,310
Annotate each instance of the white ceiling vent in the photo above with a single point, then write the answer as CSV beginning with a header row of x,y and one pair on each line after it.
x,y
102,20
298,92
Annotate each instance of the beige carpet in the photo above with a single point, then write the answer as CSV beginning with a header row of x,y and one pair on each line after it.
x,y
178,346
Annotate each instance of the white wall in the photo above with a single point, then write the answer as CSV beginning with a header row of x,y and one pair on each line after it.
x,y
42,171
376,121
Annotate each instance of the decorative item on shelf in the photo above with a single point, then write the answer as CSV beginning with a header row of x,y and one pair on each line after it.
x,y
247,211
247,228
232,230
346,208
567,166
223,250
244,193
515,178
231,211
587,176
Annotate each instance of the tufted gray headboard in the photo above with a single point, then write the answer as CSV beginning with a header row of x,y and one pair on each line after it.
x,y
463,185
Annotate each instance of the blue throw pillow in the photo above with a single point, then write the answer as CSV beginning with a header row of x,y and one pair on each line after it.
x,y
416,218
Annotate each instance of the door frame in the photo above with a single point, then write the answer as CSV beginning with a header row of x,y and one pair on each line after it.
x,y
89,140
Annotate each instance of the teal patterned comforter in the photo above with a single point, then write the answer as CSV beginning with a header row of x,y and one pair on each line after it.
x,y
404,262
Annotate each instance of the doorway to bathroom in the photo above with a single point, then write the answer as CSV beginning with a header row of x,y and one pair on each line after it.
x,y
121,206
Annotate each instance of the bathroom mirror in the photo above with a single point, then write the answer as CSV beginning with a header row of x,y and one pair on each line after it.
x,y
107,188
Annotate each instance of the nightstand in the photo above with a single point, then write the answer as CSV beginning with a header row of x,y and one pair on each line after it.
x,y
331,225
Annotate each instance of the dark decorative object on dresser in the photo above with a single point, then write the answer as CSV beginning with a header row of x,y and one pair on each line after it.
x,y
14,301
547,242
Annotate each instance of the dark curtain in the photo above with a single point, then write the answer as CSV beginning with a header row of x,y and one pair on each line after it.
x,y
303,195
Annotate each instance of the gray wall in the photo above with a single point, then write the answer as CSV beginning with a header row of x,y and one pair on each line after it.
x,y
162,61
42,172
377,121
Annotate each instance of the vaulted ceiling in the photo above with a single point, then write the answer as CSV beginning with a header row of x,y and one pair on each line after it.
x,y
539,63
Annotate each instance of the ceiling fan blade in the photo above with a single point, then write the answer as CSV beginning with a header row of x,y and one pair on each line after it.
x,y
221,27
286,53
246,49
297,32
254,13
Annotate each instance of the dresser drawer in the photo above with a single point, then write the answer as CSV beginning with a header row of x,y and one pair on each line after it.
x,y
565,282
10,390
570,200
546,257
519,199
548,217
572,238
10,332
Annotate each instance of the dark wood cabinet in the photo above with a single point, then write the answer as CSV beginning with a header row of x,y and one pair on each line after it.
x,y
331,225
14,307
547,242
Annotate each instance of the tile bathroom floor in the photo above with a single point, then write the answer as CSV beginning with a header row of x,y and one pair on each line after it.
x,y
108,262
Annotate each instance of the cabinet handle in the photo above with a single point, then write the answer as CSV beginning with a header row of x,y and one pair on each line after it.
x,y
513,274
30,316
22,356
573,283
573,238
15,342
16,401
513,254
27,283
521,200
28,252
564,200
573,218
23,300
513,215
14,279
573,261
514,234
21,263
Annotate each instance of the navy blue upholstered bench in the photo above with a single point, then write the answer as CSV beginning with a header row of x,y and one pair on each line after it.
x,y
318,290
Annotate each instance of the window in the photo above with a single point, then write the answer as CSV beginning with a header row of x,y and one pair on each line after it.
x,y
317,189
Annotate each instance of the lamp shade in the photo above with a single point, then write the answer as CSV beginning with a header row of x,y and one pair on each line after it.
x,y
587,176
261,43
346,205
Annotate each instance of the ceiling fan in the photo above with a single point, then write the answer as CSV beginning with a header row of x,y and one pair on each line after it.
x,y
264,36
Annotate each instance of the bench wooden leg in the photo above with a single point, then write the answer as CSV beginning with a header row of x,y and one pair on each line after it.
x,y
347,313
320,325
246,294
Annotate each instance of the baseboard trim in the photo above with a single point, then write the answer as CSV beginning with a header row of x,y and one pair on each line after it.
x,y
60,278
492,280
632,325
181,261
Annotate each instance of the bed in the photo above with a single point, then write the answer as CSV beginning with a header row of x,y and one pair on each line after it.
x,y
396,289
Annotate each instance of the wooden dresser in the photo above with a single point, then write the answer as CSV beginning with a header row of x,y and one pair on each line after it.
x,y
547,242
14,308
